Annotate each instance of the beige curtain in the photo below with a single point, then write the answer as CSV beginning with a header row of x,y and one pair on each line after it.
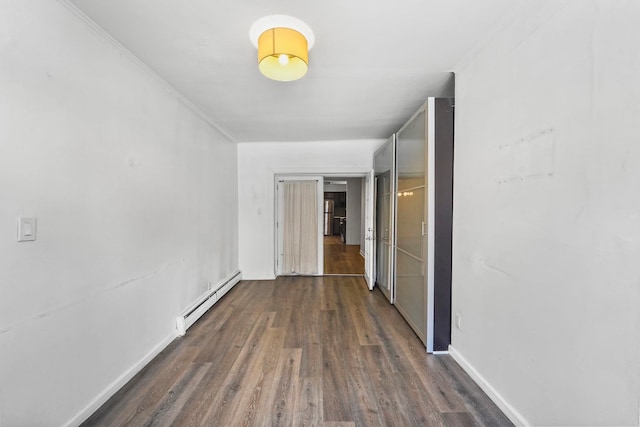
x,y
300,228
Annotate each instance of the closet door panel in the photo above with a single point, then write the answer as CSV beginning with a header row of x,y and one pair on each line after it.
x,y
410,261
411,243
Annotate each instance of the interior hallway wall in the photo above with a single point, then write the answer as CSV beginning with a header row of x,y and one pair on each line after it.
x,y
136,201
258,163
547,213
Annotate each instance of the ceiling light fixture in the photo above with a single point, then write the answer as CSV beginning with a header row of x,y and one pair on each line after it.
x,y
283,44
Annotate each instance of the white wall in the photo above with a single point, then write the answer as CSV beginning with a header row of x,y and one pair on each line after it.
x,y
354,211
136,200
257,165
547,213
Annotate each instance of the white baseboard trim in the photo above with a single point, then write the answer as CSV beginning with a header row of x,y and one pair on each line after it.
x,y
258,277
221,288
206,301
511,413
106,394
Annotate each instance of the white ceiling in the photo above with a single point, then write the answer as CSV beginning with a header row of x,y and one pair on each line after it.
x,y
373,64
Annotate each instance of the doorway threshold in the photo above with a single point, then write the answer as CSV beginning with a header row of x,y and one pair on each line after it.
x,y
344,274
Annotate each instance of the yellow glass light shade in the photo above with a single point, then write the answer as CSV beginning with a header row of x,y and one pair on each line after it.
x,y
274,43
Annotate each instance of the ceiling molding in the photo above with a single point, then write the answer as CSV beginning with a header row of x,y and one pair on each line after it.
x,y
141,65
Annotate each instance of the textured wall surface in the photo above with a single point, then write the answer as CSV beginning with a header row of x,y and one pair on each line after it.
x,y
136,201
547,213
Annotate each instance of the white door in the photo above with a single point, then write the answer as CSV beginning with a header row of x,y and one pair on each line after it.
x,y
369,225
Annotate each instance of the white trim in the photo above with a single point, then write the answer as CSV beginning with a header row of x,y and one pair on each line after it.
x,y
511,413
441,352
280,21
393,189
324,171
369,228
205,302
218,292
345,275
112,388
277,219
140,64
256,277
430,113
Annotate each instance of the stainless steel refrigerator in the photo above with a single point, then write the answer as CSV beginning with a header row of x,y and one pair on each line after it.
x,y
328,217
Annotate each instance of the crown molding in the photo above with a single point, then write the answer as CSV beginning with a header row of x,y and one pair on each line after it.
x,y
141,65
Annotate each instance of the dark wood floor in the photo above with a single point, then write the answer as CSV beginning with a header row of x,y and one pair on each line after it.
x,y
300,351
340,258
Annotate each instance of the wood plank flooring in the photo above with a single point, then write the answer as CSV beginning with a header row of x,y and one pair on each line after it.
x,y
300,351
340,258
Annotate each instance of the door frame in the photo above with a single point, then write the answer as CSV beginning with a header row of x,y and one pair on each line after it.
x,y
319,173
369,227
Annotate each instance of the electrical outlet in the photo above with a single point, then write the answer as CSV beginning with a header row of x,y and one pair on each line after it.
x,y
458,322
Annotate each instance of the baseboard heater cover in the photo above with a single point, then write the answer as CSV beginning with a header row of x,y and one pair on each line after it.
x,y
184,321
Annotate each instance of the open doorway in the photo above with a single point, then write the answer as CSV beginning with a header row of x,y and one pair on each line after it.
x,y
344,225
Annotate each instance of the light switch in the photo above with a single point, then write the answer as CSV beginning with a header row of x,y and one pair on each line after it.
x,y
26,229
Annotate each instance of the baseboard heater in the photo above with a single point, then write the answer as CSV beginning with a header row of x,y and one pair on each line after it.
x,y
184,321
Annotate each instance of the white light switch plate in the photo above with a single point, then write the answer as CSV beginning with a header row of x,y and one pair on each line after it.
x,y
458,322
26,229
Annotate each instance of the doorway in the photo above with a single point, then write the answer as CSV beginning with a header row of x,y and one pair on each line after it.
x,y
353,254
344,225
